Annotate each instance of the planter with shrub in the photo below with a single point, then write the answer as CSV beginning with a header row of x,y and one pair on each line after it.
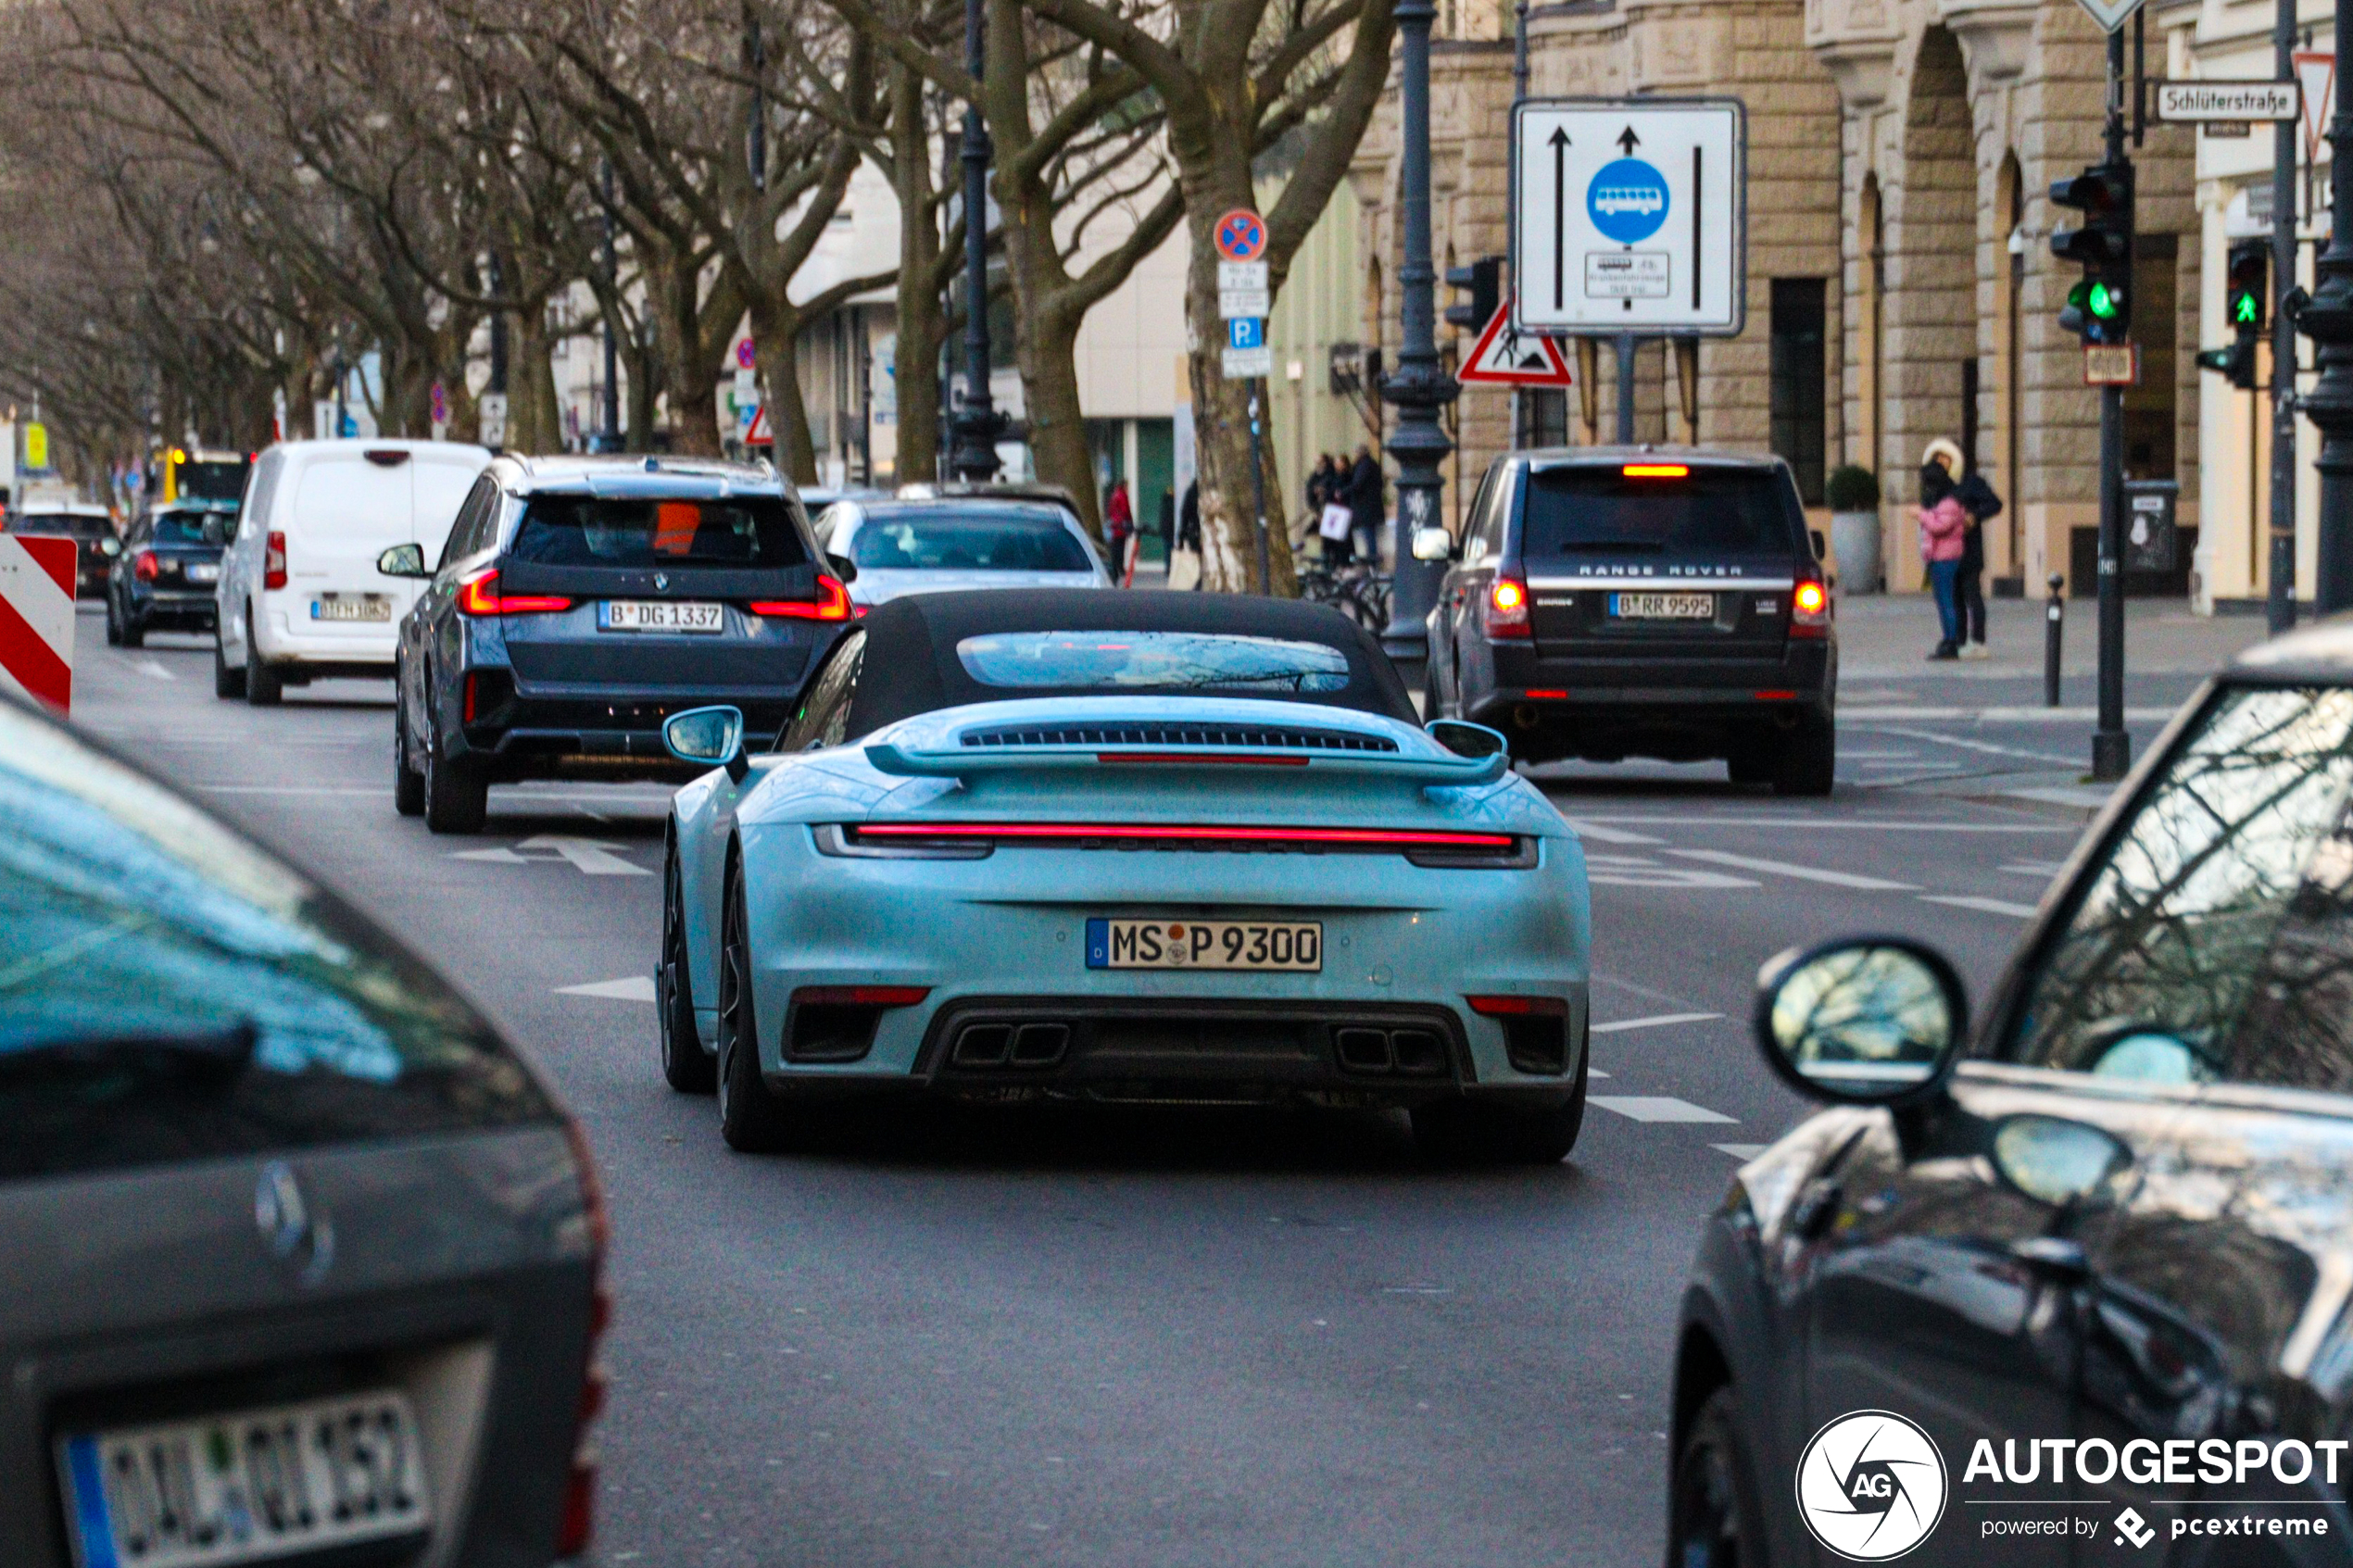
x,y
1853,495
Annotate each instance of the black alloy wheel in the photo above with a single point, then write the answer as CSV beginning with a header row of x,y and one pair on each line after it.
x,y
1714,1519
457,793
408,784
685,1066
226,682
750,1118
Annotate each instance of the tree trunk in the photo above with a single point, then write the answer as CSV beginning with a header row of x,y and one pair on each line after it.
x,y
915,360
776,343
1221,422
533,423
1057,433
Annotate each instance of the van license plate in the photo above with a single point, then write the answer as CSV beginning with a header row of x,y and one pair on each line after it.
x,y
1292,946
249,1487
1662,607
351,606
660,615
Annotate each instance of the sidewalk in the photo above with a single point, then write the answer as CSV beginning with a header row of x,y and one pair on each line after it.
x,y
1887,636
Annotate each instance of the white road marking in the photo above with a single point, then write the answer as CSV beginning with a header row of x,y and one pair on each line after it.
x,y
1985,906
635,988
1659,1107
1988,747
1918,713
1804,874
153,671
2044,868
1845,756
1587,828
1660,1021
281,789
2064,795
1665,876
1596,1073
591,857
1741,1150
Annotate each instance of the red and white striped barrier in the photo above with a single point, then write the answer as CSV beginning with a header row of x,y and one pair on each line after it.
x,y
36,617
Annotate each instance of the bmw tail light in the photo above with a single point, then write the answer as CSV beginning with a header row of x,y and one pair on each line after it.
x,y
578,1520
1809,609
1507,608
832,603
479,595
273,561
146,567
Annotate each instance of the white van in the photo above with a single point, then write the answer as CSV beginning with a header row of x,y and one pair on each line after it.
x,y
300,598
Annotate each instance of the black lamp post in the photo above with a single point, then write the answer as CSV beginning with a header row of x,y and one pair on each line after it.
x,y
2328,320
1419,386
976,423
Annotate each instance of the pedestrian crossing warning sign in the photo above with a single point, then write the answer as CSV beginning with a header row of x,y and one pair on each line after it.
x,y
1506,358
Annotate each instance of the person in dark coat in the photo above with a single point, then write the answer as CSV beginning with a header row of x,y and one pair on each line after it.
x,y
1978,499
1364,502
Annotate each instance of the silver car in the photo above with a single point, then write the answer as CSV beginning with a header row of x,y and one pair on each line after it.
x,y
301,1260
947,543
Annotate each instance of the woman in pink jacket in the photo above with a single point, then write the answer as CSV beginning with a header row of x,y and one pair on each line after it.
x,y
1943,529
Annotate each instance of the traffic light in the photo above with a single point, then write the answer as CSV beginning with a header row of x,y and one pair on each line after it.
x,y
2249,288
1484,280
2243,299
2099,309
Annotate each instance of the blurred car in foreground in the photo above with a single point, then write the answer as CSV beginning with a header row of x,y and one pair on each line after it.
x,y
583,600
301,1258
952,544
1046,844
164,578
87,524
2113,1229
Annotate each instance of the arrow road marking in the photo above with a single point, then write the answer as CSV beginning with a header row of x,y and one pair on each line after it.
x,y
590,857
635,988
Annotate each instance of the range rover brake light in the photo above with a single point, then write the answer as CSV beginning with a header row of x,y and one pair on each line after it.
x,y
1809,611
1507,608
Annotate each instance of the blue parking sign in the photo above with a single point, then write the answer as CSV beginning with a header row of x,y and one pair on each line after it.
x,y
1246,332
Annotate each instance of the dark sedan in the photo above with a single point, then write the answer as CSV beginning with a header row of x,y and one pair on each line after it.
x,y
301,1258
2075,1287
164,577
579,602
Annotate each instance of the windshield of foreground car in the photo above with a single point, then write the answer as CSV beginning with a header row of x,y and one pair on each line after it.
x,y
1146,661
1585,509
740,532
138,938
983,539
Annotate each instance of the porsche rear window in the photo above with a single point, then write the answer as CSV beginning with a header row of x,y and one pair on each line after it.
x,y
742,532
1148,661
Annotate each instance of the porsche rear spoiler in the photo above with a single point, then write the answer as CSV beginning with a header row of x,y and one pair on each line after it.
x,y
1434,773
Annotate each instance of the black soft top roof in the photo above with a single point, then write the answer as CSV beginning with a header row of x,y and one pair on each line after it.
x,y
911,667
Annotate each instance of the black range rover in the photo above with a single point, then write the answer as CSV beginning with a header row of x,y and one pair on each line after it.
x,y
1608,602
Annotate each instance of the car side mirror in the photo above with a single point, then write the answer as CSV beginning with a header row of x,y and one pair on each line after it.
x,y
2054,1161
1821,549
1433,544
709,737
1465,739
403,561
1864,1021
844,568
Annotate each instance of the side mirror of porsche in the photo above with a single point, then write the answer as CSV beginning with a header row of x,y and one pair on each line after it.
x,y
1433,544
710,737
1863,1020
403,561
1465,739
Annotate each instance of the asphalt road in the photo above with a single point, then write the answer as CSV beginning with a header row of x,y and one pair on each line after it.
x,y
1092,1338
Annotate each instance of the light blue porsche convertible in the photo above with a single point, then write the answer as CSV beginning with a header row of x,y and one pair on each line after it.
x,y
1172,847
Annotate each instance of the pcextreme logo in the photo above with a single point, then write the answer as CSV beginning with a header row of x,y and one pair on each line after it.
x,y
1871,1486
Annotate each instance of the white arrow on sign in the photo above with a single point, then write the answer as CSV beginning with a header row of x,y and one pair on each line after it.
x,y
590,857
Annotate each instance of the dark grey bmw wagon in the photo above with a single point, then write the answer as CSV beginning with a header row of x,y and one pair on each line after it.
x,y
300,1259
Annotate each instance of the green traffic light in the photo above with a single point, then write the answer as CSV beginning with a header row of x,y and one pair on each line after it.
x,y
2103,302
2244,309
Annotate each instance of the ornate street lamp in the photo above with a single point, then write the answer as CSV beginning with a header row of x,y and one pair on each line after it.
x,y
1419,386
976,422
2328,320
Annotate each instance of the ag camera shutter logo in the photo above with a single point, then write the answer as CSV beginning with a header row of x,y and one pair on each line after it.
x,y
1628,201
1871,1486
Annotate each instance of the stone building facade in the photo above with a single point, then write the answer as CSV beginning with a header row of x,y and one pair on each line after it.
x,y
1900,281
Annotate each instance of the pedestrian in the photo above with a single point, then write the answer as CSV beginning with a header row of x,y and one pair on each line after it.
x,y
1184,563
1119,521
1980,504
1363,503
1942,524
